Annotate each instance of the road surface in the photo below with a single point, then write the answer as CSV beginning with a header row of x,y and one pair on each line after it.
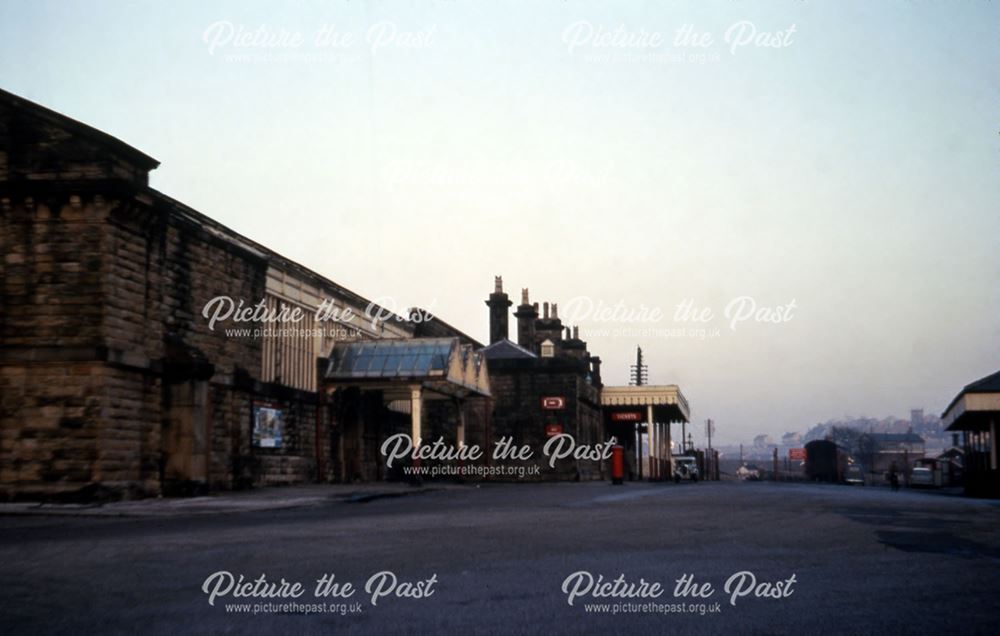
x,y
496,559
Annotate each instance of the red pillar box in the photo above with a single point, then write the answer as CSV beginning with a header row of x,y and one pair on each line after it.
x,y
617,465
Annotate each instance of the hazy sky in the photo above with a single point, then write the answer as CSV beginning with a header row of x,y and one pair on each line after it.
x,y
575,148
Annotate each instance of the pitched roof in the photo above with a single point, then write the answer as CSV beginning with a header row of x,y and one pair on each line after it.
x,y
428,325
989,384
506,350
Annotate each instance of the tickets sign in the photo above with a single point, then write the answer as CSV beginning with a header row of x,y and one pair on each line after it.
x,y
627,416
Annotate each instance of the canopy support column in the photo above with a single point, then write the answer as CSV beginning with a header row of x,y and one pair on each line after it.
x,y
993,444
651,433
460,429
670,454
416,402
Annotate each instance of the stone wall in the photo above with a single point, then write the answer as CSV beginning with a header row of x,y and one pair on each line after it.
x,y
110,379
518,386
108,372
61,429
101,300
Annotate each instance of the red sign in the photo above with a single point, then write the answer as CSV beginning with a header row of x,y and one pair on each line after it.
x,y
628,416
797,454
553,429
553,403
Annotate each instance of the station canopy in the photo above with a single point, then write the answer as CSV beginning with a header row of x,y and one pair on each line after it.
x,y
976,408
667,402
443,366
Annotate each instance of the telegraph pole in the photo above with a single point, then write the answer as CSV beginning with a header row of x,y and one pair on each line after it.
x,y
640,372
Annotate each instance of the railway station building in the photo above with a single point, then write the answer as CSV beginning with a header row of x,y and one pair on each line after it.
x,y
115,377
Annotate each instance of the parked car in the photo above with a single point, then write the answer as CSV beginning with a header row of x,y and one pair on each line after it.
x,y
854,475
748,472
685,468
922,477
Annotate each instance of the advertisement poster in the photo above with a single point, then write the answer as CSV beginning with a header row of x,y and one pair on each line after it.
x,y
421,317
268,425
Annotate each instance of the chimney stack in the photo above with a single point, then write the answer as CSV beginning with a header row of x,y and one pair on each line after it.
x,y
526,315
595,371
549,327
499,305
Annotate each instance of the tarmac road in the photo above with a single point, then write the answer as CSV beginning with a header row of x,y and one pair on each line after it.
x,y
495,559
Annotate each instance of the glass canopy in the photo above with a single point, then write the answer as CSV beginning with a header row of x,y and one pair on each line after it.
x,y
390,358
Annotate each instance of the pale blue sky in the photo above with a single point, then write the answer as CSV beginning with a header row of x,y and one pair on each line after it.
x,y
854,171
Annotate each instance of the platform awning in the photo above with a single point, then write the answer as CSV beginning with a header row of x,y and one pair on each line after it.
x,y
646,410
667,401
442,366
976,407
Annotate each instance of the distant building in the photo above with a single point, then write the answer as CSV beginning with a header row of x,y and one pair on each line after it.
x,y
881,451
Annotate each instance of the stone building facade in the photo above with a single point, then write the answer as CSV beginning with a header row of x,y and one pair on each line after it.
x,y
123,371
545,384
111,375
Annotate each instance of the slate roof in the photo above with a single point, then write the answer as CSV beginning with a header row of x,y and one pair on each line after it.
x,y
989,384
506,350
